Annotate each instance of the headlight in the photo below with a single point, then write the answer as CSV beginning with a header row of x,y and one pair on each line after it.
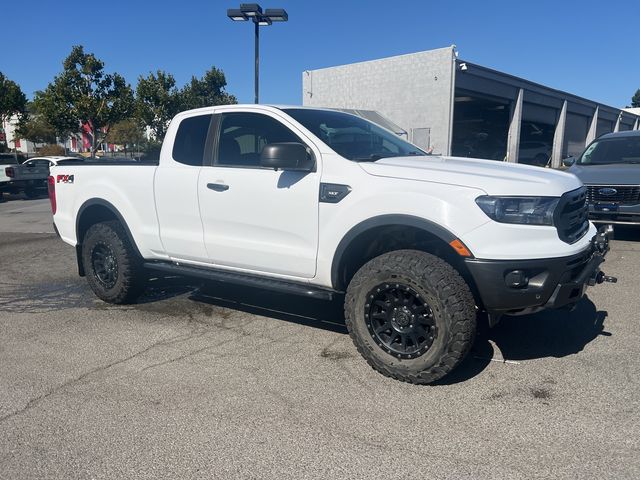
x,y
523,210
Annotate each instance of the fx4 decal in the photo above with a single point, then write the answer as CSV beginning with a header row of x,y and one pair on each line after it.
x,y
64,179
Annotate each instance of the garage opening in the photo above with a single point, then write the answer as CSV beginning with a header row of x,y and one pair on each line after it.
x,y
480,126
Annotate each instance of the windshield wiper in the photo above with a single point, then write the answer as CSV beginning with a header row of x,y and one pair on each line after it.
x,y
371,158
377,156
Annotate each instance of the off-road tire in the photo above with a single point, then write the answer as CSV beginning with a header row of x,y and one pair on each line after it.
x,y
448,296
130,277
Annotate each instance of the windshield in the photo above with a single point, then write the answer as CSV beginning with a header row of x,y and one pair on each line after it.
x,y
612,150
351,136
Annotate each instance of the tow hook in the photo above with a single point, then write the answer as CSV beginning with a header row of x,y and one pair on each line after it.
x,y
601,278
601,241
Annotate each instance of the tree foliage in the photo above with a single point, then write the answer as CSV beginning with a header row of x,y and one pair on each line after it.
x,y
206,91
126,133
635,100
12,99
157,101
33,126
54,108
84,94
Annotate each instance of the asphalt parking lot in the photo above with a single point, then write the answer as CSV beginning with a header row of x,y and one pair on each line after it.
x,y
219,382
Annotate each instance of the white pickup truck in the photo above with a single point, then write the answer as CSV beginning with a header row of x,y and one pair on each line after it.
x,y
321,203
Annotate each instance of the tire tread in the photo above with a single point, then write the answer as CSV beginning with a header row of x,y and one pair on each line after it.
x,y
450,288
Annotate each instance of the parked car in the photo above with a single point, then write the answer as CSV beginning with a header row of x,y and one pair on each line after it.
x,y
280,199
6,160
610,169
534,153
30,177
52,160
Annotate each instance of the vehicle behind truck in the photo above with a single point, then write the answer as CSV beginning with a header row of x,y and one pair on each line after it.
x,y
324,204
610,169
30,177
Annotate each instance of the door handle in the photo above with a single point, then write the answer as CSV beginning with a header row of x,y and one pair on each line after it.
x,y
218,187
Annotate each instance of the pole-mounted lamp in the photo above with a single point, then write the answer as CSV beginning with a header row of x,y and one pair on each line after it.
x,y
253,12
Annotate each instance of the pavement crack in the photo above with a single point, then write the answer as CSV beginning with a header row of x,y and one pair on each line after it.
x,y
35,401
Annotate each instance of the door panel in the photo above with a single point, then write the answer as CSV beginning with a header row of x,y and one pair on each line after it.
x,y
178,212
256,218
176,190
265,220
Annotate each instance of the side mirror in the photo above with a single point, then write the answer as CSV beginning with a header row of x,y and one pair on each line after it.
x,y
567,162
287,156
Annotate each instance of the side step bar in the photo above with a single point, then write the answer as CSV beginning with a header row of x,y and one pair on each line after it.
x,y
266,283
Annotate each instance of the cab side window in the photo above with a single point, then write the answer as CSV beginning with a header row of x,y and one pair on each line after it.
x,y
244,135
190,141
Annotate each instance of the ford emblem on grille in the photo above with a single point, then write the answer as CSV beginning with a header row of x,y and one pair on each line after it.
x,y
607,192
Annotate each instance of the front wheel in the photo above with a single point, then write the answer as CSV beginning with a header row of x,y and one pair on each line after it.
x,y
411,315
113,268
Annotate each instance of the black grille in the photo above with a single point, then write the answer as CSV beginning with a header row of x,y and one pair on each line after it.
x,y
624,194
571,216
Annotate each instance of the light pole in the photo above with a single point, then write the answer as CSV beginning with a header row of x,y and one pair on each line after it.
x,y
253,11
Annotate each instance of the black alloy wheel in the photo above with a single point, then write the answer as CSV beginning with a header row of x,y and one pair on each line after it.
x,y
105,265
399,320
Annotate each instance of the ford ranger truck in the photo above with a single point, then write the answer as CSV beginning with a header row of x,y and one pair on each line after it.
x,y
322,203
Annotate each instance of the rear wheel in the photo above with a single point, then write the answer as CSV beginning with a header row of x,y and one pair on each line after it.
x,y
113,268
411,315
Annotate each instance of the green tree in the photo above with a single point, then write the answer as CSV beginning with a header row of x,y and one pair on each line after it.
x,y
157,101
635,100
12,99
33,126
52,106
126,133
84,94
206,91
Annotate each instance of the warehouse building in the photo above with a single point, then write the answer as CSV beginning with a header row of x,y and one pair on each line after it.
x,y
454,107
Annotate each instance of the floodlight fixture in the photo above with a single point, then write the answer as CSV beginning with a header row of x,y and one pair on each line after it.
x,y
253,11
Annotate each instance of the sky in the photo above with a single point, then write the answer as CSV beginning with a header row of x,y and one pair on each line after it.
x,y
585,47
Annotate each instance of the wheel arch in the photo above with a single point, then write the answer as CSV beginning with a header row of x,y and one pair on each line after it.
x,y
385,233
92,211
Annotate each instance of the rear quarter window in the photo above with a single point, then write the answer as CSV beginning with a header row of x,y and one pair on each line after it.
x,y
191,137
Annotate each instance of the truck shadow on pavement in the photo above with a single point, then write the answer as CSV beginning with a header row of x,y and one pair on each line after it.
x,y
554,333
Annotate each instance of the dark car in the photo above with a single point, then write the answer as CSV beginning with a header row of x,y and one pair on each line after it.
x,y
610,168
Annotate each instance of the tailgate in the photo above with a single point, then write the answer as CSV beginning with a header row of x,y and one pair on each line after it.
x,y
23,172
32,173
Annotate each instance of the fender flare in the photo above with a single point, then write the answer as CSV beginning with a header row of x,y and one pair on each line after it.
x,y
381,221
102,203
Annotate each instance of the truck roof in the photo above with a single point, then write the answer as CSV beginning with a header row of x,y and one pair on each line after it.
x,y
256,106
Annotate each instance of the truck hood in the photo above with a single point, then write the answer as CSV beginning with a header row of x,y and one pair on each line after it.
x,y
493,177
620,174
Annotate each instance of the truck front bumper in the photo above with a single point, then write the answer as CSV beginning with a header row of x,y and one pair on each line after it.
x,y
516,287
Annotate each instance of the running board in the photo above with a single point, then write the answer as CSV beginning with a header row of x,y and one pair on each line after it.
x,y
247,280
